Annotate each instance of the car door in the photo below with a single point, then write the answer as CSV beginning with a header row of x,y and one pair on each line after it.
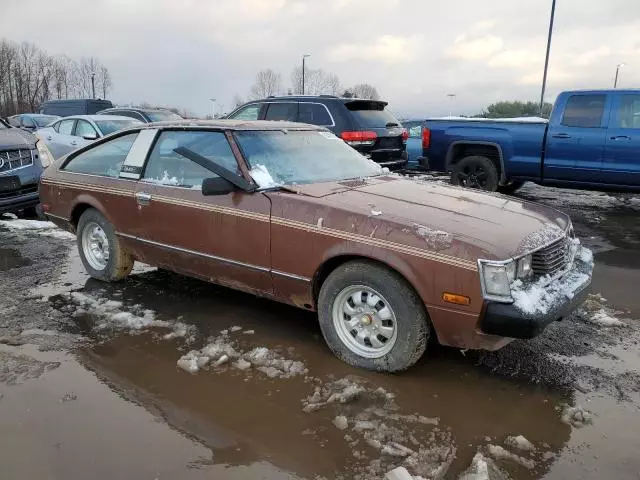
x,y
59,137
222,238
575,144
622,152
85,133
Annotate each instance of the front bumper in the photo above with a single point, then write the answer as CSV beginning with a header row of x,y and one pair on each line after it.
x,y
24,197
559,298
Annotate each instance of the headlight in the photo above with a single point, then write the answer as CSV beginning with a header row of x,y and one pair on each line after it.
x,y
496,278
524,266
46,158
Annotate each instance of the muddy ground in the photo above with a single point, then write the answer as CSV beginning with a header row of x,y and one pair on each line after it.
x,y
131,380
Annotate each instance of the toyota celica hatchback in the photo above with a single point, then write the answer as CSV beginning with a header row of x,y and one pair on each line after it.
x,y
290,212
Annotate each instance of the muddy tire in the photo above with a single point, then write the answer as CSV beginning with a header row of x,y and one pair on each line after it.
x,y
477,172
100,249
510,187
372,318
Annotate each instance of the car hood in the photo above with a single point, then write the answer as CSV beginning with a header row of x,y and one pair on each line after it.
x,y
14,138
460,222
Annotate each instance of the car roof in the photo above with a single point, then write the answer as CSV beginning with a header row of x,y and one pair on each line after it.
x,y
97,117
138,109
235,125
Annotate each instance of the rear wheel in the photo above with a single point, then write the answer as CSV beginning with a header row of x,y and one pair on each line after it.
x,y
100,250
475,171
371,318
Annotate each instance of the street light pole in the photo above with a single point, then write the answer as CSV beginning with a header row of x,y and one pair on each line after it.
x,y
618,67
213,107
303,57
452,96
93,84
546,59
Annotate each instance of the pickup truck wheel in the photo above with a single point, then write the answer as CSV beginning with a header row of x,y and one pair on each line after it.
x,y
371,318
475,171
100,251
510,187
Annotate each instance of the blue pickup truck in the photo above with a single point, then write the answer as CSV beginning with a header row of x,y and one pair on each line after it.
x,y
592,141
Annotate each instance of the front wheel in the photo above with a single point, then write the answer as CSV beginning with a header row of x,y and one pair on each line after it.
x,y
475,171
100,251
371,318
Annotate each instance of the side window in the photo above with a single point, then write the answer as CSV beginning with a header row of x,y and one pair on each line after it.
x,y
166,167
584,111
14,121
282,111
65,127
250,112
28,122
628,115
313,113
130,114
415,130
105,159
85,128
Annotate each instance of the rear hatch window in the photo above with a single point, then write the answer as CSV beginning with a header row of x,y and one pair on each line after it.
x,y
371,114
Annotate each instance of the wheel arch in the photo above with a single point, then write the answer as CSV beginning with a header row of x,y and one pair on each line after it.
x,y
81,205
466,148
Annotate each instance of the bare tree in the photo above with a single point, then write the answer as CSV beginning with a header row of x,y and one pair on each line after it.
x,y
316,82
237,101
364,90
267,83
104,80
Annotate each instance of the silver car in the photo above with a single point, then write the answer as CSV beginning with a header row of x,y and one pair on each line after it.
x,y
76,131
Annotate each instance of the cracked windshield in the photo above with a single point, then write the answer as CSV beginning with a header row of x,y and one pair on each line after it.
x,y
363,240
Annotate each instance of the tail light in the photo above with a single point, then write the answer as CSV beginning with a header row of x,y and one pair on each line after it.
x,y
426,137
405,135
359,138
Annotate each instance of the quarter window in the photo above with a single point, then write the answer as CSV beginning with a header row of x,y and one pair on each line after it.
x,y
28,122
313,113
84,128
584,111
65,127
250,112
415,131
167,167
282,111
105,159
629,112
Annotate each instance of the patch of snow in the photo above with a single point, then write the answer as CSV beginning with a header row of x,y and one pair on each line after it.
x,y
262,177
541,296
375,213
576,416
242,364
189,362
541,237
499,453
604,319
249,332
39,227
164,180
319,224
235,328
39,331
436,239
505,119
520,442
341,422
221,361
483,468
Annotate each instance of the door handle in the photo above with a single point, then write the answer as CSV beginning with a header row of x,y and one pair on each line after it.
x,y
74,143
620,137
143,198
561,135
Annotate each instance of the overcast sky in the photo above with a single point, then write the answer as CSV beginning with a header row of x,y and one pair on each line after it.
x,y
184,52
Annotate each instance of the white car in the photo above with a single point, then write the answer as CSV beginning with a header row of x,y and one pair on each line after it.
x,y
76,131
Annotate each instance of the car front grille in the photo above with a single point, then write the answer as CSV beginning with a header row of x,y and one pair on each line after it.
x,y
14,159
19,192
551,259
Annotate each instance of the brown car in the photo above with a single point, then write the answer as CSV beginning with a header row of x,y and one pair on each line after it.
x,y
290,212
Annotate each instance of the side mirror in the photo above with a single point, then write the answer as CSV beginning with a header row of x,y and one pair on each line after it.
x,y
90,136
216,186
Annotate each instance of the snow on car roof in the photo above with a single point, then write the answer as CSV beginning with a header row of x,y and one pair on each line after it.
x,y
236,124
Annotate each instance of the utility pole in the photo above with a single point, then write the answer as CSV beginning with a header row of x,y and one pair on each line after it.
x,y
303,69
213,107
93,84
546,59
618,67
452,96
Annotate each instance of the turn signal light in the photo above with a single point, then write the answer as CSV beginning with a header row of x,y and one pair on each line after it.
x,y
426,137
455,298
405,135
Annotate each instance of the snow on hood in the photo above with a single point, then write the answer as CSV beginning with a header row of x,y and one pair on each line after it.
x,y
15,138
262,177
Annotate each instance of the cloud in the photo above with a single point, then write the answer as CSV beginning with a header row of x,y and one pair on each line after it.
x,y
386,49
590,57
485,25
516,59
475,48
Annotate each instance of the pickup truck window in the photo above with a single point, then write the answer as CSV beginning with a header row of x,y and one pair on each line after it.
x,y
629,112
584,111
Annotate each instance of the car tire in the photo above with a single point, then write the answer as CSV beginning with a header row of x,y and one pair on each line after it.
x,y
399,308
477,172
510,187
100,251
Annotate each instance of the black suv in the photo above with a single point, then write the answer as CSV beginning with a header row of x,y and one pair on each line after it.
x,y
146,115
364,124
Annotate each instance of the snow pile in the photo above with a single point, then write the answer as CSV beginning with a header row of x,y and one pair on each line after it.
x,y
499,453
111,314
38,227
164,180
540,238
375,213
594,311
379,434
262,177
220,352
520,442
575,416
604,319
541,296
436,239
483,468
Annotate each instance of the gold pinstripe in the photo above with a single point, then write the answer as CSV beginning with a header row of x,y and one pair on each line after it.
x,y
354,237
